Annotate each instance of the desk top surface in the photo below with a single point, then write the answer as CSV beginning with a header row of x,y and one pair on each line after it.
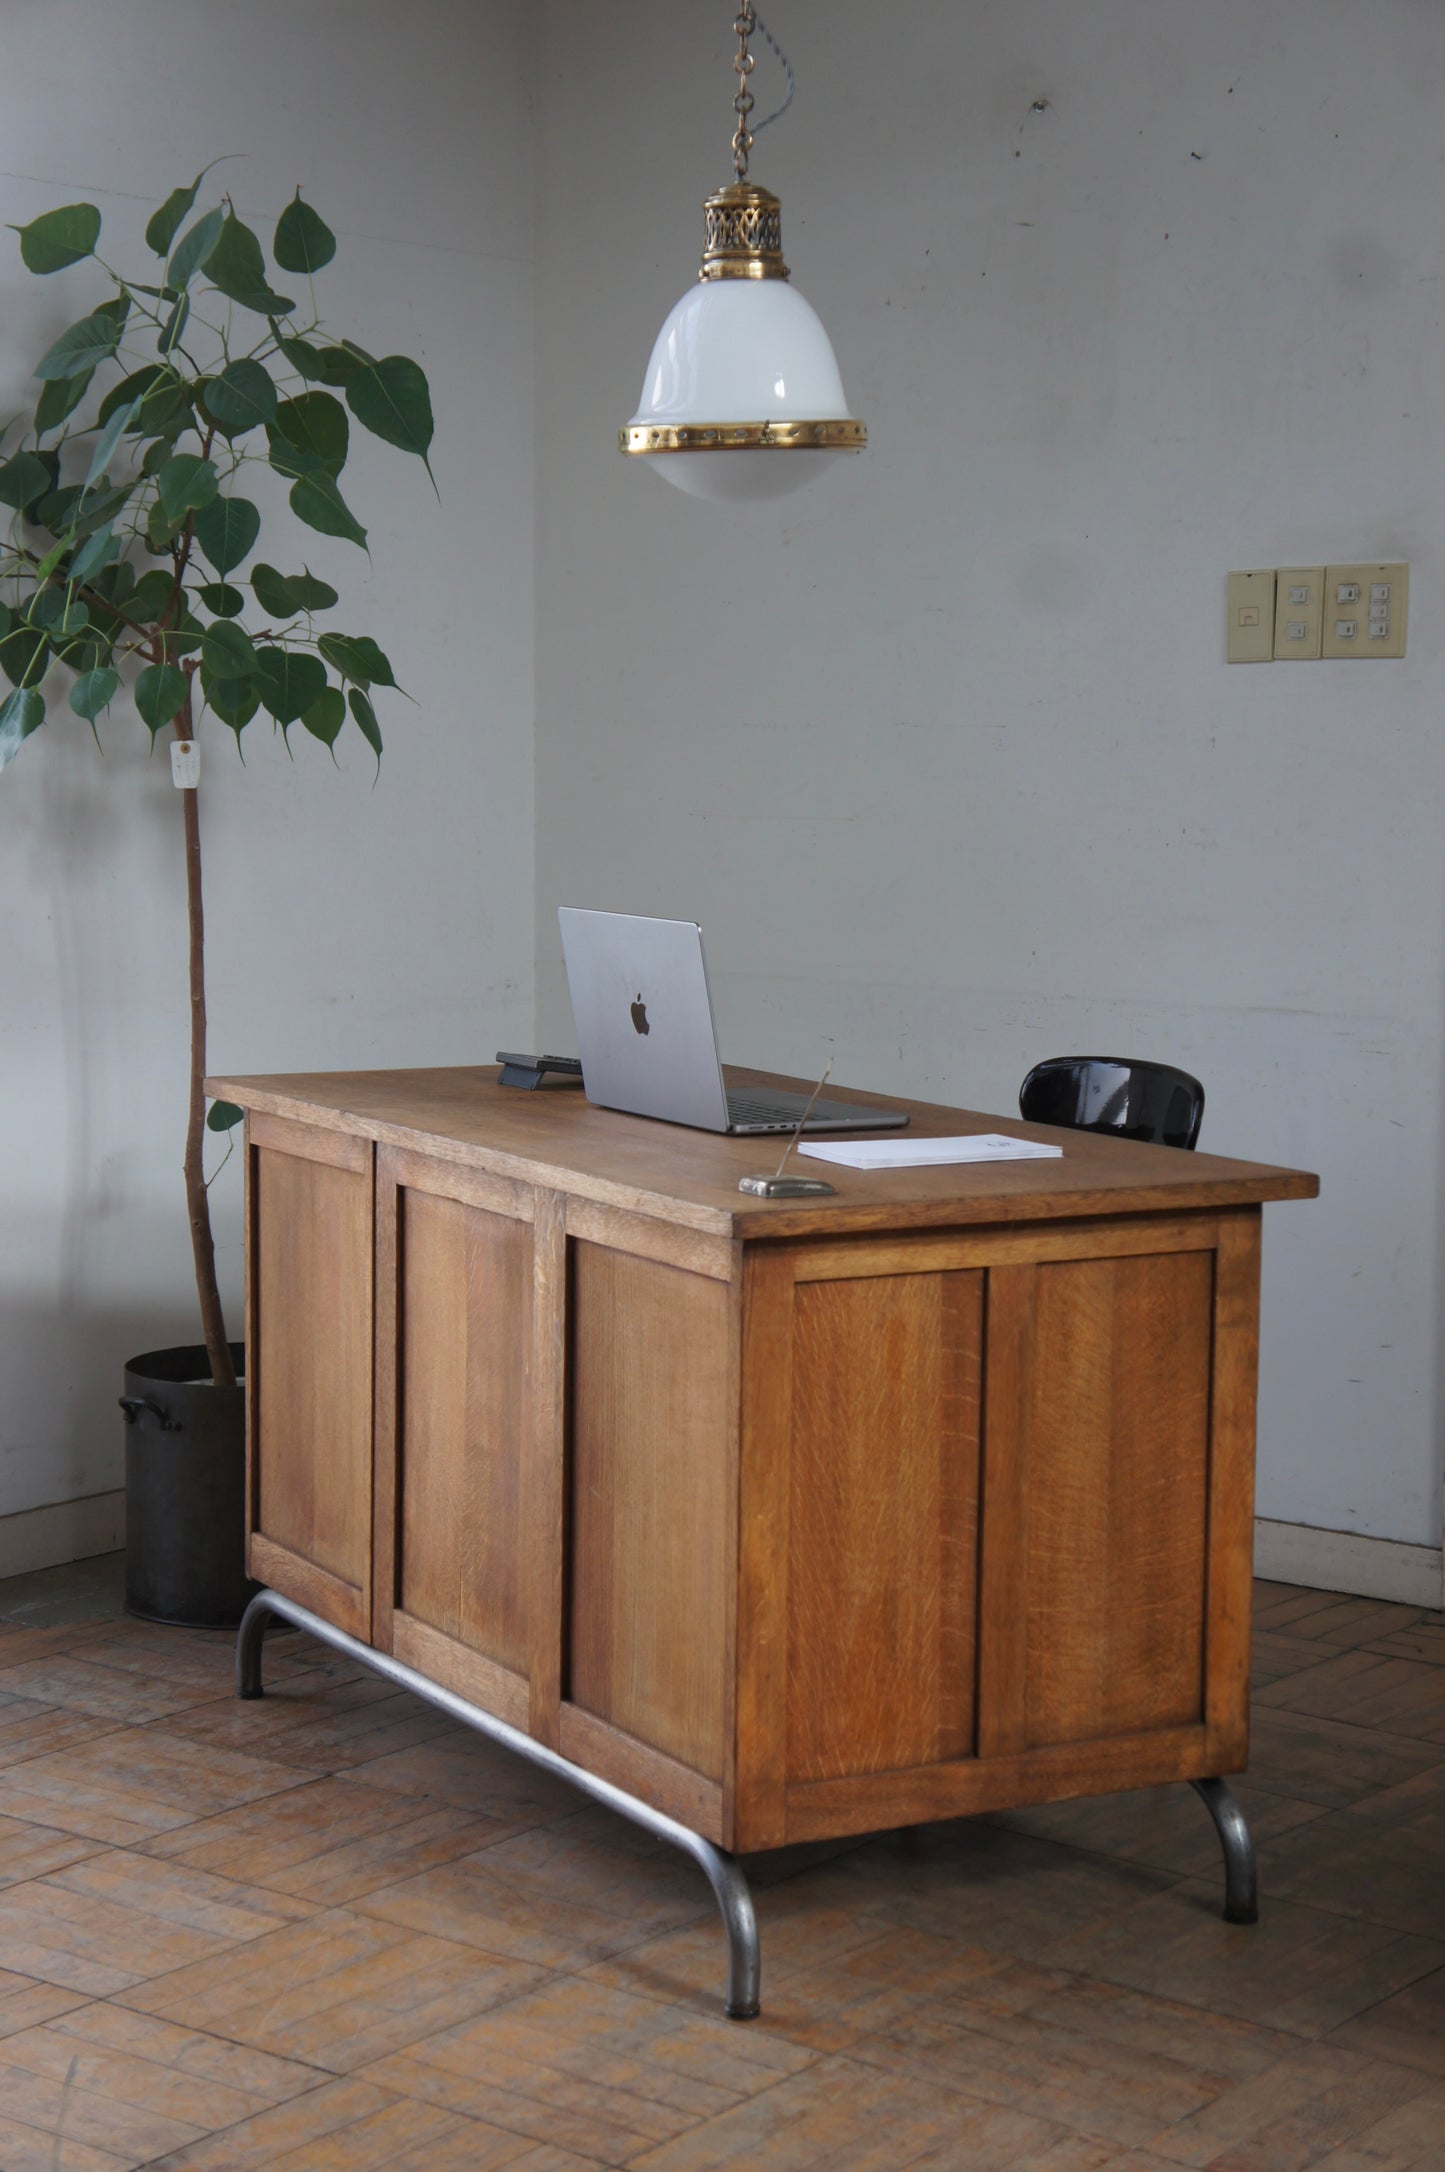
x,y
555,1137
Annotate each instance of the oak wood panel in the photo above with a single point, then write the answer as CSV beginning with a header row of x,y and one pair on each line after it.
x,y
465,1278
759,1802
311,1359
1004,1512
648,1238
544,1480
332,1597
1117,1450
855,1256
650,1464
450,1180
667,1172
882,1528
311,1142
877,1802
443,1659
669,1786
1231,1485
385,1401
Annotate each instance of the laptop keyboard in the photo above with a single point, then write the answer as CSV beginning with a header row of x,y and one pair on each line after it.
x,y
743,1110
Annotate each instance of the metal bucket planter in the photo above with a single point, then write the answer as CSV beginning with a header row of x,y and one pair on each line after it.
x,y
185,1490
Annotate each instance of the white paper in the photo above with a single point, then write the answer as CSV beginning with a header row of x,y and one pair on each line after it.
x,y
928,1153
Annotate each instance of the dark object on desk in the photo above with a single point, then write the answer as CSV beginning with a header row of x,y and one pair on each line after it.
x,y
526,1071
1138,1100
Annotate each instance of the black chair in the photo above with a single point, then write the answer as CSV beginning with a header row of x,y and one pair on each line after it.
x,y
1121,1094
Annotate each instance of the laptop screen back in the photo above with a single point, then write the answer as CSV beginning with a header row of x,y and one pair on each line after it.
x,y
643,1014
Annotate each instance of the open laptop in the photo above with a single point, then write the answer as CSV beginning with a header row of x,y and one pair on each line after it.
x,y
646,1035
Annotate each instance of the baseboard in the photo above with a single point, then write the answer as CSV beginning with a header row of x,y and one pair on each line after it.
x,y
42,1538
1375,1568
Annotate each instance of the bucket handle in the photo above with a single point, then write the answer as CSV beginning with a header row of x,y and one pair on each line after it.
x,y
133,1405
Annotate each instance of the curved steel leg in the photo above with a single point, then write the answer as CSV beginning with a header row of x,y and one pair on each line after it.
x,y
724,1875
1241,1882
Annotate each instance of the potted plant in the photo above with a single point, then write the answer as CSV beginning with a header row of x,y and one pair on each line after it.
x,y
132,560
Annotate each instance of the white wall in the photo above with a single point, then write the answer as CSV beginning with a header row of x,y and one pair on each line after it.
x,y
944,754
348,926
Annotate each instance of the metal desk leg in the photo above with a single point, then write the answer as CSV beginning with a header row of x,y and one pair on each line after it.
x,y
721,1870
1241,1883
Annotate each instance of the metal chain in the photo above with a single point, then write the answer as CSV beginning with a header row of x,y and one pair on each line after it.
x,y
743,102
745,23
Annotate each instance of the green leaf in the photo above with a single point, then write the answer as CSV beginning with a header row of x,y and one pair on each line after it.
x,y
195,246
226,531
79,348
106,442
317,501
339,365
58,238
164,225
274,593
303,357
182,640
20,654
289,460
223,1116
326,716
117,309
162,528
235,701
60,398
94,691
23,480
149,599
315,423
226,602
304,242
98,509
365,716
159,693
134,387
357,657
94,553
392,400
169,337
21,713
226,651
4,620
311,594
186,484
59,613
241,397
235,265
289,682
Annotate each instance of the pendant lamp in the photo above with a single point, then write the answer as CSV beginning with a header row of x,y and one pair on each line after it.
x,y
742,397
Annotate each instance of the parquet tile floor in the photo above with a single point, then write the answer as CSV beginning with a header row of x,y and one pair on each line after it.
x,y
332,1932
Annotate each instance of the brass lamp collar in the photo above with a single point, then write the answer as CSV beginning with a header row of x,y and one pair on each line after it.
x,y
742,234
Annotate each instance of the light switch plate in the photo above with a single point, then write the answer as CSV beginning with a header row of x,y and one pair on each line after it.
x,y
1374,636
1298,614
1250,618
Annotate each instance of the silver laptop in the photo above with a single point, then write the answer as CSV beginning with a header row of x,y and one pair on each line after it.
x,y
646,1036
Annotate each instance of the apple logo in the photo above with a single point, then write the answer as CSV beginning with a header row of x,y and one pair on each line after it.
x,y
639,1015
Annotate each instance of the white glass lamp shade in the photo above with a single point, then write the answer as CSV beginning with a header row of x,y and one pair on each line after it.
x,y
744,367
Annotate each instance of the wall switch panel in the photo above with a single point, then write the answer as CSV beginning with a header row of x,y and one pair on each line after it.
x,y
1299,614
1251,611
1365,611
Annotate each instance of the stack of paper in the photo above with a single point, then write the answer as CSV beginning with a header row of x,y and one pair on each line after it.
x,y
926,1153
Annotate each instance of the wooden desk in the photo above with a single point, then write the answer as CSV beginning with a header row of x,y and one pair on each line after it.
x,y
791,1519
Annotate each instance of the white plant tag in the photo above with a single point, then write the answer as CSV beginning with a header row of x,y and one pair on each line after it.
x,y
185,764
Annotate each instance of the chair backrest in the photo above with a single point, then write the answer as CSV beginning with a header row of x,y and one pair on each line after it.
x,y
1122,1094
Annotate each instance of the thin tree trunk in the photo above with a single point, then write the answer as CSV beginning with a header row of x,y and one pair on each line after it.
x,y
213,1325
